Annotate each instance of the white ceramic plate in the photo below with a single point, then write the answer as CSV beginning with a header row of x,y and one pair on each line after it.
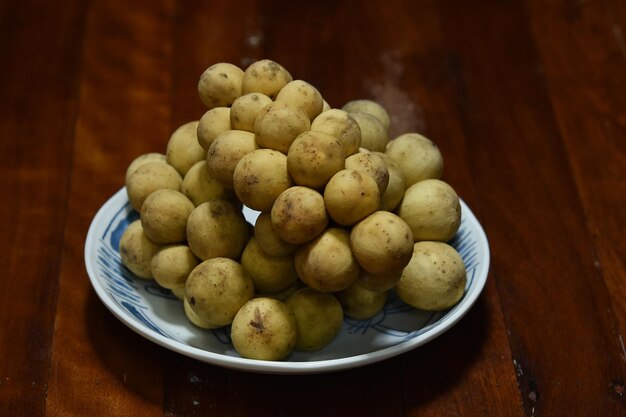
x,y
158,316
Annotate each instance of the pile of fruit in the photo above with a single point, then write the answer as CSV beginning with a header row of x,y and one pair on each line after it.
x,y
346,215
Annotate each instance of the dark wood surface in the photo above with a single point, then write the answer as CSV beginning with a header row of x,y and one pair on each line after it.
x,y
526,99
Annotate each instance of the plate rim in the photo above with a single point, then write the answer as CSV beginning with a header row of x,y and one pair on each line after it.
x,y
287,367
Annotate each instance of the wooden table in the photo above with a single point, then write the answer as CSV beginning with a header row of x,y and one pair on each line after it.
x,y
526,100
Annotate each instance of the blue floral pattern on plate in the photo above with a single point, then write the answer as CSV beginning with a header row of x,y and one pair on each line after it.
x,y
157,314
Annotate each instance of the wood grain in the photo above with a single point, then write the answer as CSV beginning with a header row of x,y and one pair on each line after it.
x,y
98,365
525,98
513,131
588,98
38,87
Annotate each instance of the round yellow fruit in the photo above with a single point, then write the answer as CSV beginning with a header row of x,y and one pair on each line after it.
x,y
264,328
435,277
432,210
216,289
319,318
